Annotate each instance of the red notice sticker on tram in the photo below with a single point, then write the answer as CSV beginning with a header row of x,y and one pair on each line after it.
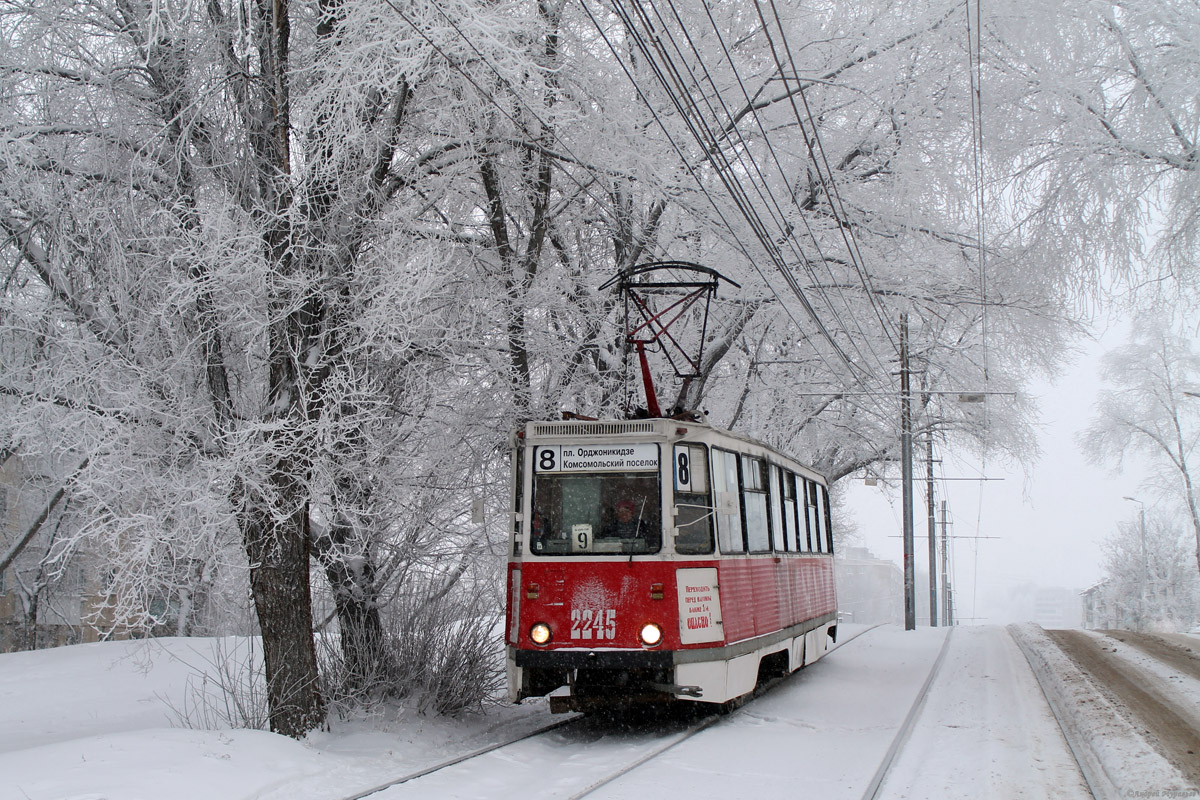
x,y
699,606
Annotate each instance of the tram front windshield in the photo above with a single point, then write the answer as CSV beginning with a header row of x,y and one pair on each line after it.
x,y
597,513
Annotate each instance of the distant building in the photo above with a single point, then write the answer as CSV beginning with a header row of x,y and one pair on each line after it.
x,y
44,601
1052,607
870,590
1056,608
1098,611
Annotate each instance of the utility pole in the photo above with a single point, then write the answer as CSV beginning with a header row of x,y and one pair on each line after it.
x,y
932,527
1145,567
1144,611
947,615
906,459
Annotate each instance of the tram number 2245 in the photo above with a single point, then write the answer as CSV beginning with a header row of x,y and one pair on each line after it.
x,y
593,623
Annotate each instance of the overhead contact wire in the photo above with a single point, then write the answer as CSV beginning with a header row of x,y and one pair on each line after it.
x,y
789,231
737,194
721,174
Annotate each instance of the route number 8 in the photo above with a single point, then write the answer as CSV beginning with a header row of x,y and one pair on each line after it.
x,y
683,468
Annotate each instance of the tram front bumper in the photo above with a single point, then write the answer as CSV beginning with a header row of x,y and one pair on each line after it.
x,y
595,659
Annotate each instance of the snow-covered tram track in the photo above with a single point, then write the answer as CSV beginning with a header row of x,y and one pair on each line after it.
x,y
906,728
984,729
460,758
551,761
709,721
649,743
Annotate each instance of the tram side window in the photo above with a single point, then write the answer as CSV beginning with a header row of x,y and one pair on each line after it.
x,y
817,511
779,531
725,491
693,500
790,531
754,495
826,519
812,520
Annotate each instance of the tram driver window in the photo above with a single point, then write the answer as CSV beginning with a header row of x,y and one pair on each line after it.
x,y
595,513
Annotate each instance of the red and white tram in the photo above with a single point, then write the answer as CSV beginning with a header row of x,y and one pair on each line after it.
x,y
657,559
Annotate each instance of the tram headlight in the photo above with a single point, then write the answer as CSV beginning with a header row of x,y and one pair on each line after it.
x,y
651,634
540,633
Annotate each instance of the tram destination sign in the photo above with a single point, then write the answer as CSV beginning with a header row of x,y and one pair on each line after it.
x,y
595,458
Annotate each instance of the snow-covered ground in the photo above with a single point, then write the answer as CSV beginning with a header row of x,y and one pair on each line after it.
x,y
986,730
103,721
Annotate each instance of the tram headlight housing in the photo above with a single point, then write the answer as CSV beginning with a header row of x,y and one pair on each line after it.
x,y
540,634
650,634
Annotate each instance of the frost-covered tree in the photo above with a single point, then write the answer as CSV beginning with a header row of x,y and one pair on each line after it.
x,y
1151,411
1111,172
287,273
1150,581
199,201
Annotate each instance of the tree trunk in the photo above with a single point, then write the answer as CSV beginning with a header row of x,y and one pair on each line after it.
x,y
350,570
1193,511
31,618
275,526
279,558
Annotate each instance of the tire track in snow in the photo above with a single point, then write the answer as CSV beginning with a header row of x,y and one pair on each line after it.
x,y
1175,736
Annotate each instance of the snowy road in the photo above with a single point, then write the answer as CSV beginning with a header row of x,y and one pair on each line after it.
x,y
93,722
1155,685
986,731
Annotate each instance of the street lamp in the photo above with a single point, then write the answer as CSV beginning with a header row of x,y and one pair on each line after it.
x,y
1145,560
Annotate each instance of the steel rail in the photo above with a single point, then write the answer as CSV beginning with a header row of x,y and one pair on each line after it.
x,y
906,728
699,726
450,762
707,722
688,733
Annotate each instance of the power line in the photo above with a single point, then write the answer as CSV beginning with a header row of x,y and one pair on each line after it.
x,y
672,79
710,145
734,189
788,230
831,190
670,139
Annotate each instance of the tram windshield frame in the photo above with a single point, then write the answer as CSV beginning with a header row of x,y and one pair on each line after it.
x,y
617,513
